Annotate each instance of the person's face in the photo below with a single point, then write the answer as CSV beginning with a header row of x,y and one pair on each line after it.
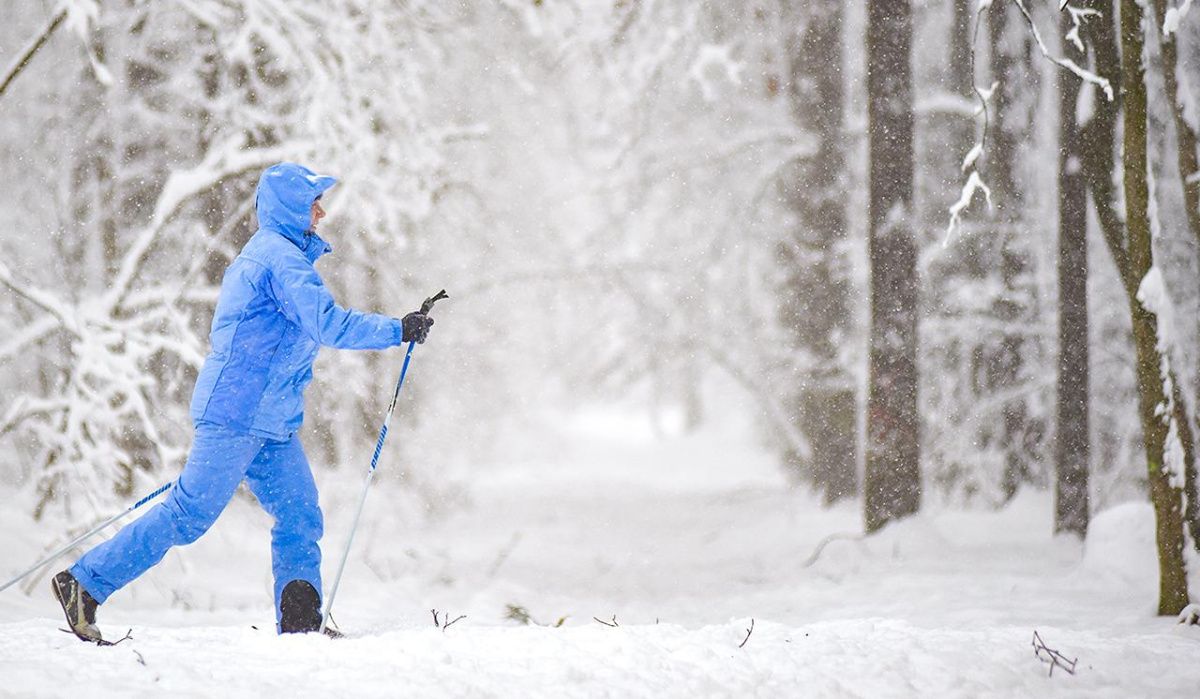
x,y
317,214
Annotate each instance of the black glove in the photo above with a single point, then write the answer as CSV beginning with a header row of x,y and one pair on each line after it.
x,y
416,327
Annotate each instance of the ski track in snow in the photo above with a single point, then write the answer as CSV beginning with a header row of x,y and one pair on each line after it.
x,y
681,547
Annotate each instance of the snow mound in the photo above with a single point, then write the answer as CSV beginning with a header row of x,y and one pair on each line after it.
x,y
1120,546
855,658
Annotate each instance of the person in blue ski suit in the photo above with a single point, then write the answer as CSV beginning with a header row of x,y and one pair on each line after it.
x,y
273,315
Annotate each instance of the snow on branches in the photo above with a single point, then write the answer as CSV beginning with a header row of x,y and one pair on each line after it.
x,y
1174,16
108,399
1084,74
109,301
1153,295
975,181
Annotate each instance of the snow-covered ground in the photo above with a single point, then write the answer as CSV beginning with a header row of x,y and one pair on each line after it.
x,y
685,542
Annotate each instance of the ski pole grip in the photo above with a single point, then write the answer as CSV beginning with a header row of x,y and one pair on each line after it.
x,y
428,305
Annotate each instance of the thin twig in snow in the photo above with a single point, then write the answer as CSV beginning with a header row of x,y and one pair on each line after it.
x,y
127,637
1048,655
840,536
445,622
613,623
748,632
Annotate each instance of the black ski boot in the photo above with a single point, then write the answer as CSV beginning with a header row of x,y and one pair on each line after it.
x,y
78,606
300,609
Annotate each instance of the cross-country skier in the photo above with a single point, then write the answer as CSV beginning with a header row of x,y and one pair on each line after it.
x,y
273,315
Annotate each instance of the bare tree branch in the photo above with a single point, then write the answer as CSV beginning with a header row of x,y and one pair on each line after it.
x,y
24,57
975,181
1084,74
970,163
228,160
34,332
40,298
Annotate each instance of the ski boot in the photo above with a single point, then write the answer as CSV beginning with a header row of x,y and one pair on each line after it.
x,y
300,609
78,606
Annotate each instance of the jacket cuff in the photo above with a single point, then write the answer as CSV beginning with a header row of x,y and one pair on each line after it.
x,y
398,327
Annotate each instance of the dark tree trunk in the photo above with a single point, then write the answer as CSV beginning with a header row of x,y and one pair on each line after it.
x,y
962,82
1166,497
1098,137
1072,445
893,478
815,299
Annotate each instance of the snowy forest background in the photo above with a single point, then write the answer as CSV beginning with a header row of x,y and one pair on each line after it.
x,y
656,207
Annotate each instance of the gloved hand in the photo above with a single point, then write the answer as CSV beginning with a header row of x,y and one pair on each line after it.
x,y
416,327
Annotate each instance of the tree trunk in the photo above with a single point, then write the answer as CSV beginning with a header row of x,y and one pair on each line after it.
x,y
816,296
1189,179
1164,493
1072,443
893,477
1006,355
1185,136
1187,443
962,82
1098,136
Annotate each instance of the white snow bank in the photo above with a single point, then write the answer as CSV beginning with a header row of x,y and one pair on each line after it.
x,y
697,532
1121,547
867,658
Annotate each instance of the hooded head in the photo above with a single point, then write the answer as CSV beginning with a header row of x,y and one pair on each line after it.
x,y
285,195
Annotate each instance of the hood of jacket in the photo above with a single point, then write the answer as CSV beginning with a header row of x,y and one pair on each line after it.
x,y
283,203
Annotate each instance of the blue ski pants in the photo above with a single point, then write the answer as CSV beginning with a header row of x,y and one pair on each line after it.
x,y
279,476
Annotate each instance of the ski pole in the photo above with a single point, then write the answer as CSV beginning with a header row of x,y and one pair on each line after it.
x,y
83,537
426,307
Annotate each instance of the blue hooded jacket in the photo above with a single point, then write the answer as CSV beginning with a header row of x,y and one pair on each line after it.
x,y
274,313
